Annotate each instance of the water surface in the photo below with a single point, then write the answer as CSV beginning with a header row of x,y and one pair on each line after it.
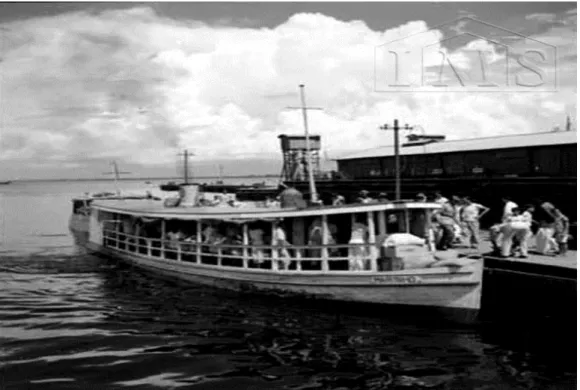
x,y
69,320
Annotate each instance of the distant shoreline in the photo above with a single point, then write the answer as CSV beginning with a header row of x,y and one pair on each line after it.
x,y
176,179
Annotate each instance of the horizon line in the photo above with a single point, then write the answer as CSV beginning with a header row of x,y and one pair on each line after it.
x,y
145,178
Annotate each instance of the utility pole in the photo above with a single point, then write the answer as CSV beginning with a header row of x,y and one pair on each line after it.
x,y
396,129
304,108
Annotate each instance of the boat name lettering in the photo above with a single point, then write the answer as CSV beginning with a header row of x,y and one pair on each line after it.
x,y
397,279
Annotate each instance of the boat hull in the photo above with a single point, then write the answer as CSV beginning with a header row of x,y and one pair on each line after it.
x,y
456,295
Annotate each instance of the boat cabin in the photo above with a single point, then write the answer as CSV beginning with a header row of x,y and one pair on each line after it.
x,y
259,235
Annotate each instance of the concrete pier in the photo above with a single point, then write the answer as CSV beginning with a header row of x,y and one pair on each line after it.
x,y
539,287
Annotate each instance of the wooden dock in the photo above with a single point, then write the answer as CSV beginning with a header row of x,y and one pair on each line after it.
x,y
538,287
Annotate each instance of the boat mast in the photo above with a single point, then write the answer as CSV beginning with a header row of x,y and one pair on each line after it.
x,y
304,108
116,175
185,173
186,155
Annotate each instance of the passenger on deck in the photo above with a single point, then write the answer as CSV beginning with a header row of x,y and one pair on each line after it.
x,y
338,200
291,198
174,238
315,237
233,238
470,215
281,244
357,254
383,197
257,239
440,198
421,197
364,197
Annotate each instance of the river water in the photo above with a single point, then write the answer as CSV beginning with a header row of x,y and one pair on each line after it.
x,y
69,320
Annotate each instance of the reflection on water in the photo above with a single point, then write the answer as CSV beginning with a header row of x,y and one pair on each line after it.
x,y
69,320
80,321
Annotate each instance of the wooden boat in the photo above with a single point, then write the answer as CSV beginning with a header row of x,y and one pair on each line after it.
x,y
304,251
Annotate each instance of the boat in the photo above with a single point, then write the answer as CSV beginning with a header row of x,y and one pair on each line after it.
x,y
372,252
5,182
238,247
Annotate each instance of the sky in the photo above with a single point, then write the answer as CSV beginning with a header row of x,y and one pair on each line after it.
x,y
82,84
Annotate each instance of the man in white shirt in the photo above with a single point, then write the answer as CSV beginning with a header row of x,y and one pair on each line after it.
x,y
515,228
470,216
508,207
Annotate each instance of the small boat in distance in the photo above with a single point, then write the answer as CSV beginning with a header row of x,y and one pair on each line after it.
x,y
79,219
5,182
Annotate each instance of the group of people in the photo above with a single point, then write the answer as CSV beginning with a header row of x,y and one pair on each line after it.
x,y
510,237
458,219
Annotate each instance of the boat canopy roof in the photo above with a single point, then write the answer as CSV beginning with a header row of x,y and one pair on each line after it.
x,y
156,209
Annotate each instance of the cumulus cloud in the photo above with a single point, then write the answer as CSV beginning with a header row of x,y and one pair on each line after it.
x,y
136,86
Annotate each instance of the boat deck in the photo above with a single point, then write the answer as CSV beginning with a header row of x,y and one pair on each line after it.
x,y
157,207
152,208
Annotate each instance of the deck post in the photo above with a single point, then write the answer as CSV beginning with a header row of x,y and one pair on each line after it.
x,y
179,251
219,255
148,242
274,248
372,241
162,250
298,257
382,222
245,241
117,227
429,235
198,243
325,235
407,223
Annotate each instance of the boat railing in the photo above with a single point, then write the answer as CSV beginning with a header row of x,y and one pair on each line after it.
x,y
285,256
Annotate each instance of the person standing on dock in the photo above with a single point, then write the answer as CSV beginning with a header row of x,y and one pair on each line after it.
x,y
561,227
446,220
508,207
515,230
470,215
458,228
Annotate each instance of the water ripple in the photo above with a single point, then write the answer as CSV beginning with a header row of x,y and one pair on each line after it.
x,y
84,316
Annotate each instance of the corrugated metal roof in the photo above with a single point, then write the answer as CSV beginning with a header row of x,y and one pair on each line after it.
x,y
501,142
